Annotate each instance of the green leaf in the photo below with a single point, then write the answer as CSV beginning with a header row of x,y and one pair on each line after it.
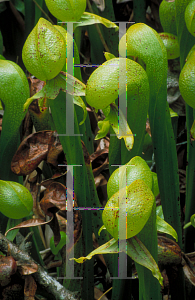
x,y
155,187
19,5
192,220
192,130
173,113
109,247
109,55
106,110
135,249
52,88
159,212
139,253
90,19
78,86
187,225
79,102
164,227
124,127
62,242
104,127
101,228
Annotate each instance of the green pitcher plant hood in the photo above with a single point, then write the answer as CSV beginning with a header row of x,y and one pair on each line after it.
x,y
66,10
136,168
102,85
135,202
44,52
16,201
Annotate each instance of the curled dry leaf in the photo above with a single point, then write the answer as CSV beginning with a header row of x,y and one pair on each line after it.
x,y
168,251
30,288
29,223
57,198
56,155
100,180
98,155
39,146
102,167
99,160
8,267
189,269
35,190
55,151
28,268
54,199
32,151
39,108
54,178
36,85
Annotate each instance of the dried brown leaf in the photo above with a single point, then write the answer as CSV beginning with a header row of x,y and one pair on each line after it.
x,y
32,151
27,268
100,180
54,199
29,223
54,152
31,184
99,160
49,181
30,288
99,169
189,269
35,85
98,154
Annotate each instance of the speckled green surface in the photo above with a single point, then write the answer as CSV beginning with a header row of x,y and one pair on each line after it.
x,y
103,85
187,79
136,168
136,203
44,52
66,10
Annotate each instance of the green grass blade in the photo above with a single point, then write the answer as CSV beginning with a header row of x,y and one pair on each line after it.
x,y
74,156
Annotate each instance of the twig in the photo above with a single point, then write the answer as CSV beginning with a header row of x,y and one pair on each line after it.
x,y
46,282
